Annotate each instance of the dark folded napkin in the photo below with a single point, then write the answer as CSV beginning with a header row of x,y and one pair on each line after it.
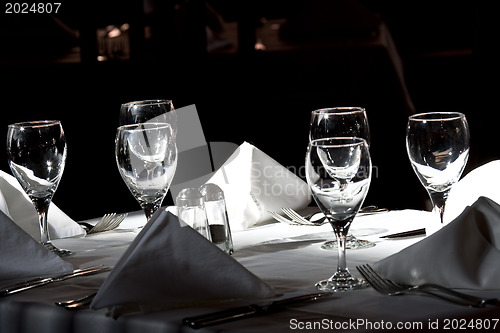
x,y
21,256
169,264
463,254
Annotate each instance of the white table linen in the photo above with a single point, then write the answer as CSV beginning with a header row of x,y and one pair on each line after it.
x,y
288,258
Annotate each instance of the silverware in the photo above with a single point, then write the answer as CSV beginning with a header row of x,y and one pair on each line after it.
x,y
78,303
38,282
411,233
391,288
242,312
107,222
295,218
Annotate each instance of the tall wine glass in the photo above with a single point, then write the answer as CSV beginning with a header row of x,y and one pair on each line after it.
x,y
341,122
338,171
146,156
438,147
152,110
36,152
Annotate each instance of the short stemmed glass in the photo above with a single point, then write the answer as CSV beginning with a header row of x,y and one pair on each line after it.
x,y
36,152
438,147
146,156
338,171
341,122
151,110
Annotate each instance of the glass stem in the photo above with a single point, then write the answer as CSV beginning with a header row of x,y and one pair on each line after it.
x,y
341,266
150,208
438,200
42,207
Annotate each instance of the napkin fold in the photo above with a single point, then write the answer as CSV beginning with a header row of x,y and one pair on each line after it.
x,y
254,184
482,181
463,254
170,264
16,204
21,256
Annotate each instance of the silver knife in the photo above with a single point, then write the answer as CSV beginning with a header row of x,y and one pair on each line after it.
x,y
37,282
242,312
411,233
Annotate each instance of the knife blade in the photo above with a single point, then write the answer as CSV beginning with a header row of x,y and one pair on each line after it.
x,y
37,282
416,232
246,311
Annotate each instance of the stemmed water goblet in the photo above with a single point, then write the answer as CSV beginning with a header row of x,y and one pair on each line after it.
x,y
36,152
341,122
338,171
151,110
146,156
438,148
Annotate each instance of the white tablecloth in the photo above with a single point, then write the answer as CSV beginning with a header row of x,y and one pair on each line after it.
x,y
289,258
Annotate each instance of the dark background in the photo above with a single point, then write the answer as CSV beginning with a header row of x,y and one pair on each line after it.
x,y
241,94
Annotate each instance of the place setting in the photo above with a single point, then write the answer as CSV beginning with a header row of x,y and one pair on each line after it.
x,y
219,252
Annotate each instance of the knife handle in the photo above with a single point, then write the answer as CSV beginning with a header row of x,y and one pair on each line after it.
x,y
221,316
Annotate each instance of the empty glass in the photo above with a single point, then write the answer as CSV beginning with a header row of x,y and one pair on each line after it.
x,y
152,110
438,147
341,122
36,152
338,171
146,156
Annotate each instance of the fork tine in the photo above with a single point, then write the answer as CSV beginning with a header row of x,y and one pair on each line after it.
x,y
376,281
296,217
280,218
390,285
102,223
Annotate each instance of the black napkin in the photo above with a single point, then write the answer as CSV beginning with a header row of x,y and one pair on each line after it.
x,y
463,254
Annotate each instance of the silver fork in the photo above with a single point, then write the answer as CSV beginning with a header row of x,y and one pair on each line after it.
x,y
391,288
107,222
282,219
306,220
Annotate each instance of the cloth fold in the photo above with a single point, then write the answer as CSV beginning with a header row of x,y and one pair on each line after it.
x,y
254,184
21,256
15,203
463,254
170,264
482,181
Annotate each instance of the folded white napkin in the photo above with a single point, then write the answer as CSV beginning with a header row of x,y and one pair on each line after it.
x,y
254,183
21,256
169,263
16,204
482,181
463,254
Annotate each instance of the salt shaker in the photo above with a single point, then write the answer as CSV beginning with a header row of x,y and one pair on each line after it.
x,y
218,222
191,210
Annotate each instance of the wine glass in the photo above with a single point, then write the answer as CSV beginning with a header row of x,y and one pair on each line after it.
x,y
341,122
438,147
338,171
146,156
36,152
152,110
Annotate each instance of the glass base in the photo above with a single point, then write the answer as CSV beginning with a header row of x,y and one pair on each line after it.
x,y
341,284
351,243
60,252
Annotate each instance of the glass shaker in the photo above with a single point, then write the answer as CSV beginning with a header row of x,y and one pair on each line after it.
x,y
218,223
191,210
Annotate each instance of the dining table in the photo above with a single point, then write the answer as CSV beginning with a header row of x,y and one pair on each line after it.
x,y
289,258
